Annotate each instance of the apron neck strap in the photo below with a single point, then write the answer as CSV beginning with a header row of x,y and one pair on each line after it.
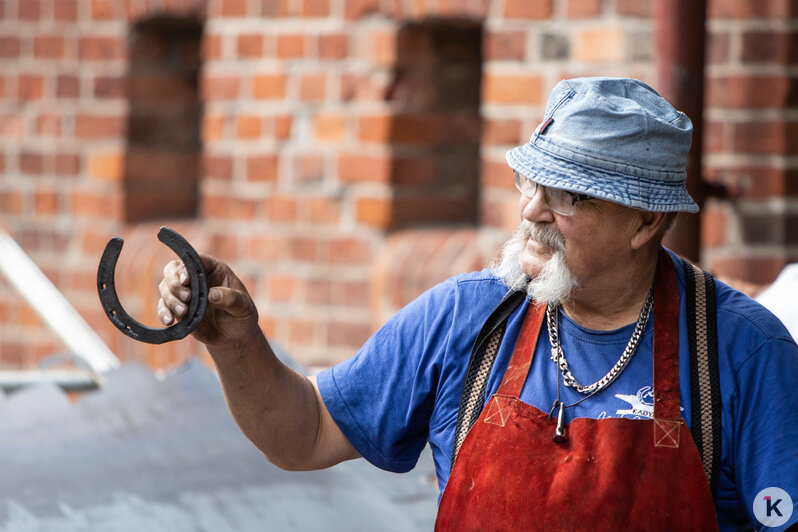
x,y
518,368
666,343
666,339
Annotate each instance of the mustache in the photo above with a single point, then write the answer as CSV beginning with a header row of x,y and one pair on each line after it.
x,y
543,233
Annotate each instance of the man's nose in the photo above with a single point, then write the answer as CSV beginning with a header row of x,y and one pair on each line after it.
x,y
536,209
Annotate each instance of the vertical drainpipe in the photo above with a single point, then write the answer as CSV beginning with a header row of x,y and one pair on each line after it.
x,y
679,28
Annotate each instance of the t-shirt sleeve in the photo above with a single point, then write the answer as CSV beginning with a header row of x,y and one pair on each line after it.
x,y
382,398
766,427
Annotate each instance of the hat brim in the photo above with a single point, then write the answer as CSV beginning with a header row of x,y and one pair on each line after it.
x,y
625,189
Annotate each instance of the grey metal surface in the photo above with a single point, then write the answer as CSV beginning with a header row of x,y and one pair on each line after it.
x,y
165,455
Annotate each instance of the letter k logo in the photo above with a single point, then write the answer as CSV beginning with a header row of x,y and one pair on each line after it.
x,y
772,506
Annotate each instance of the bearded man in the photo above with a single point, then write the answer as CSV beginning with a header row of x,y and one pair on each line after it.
x,y
589,380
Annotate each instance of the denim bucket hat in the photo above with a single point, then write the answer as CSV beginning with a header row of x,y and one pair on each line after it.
x,y
614,139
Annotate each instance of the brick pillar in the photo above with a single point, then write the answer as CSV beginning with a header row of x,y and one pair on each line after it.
x,y
750,137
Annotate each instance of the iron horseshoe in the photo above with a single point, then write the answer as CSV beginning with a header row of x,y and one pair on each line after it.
x,y
122,320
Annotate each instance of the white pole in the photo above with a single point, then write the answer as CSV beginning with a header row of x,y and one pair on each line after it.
x,y
53,307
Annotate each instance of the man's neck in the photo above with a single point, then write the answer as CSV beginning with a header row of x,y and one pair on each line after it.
x,y
615,300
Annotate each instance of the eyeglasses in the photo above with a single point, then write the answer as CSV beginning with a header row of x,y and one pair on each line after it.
x,y
560,201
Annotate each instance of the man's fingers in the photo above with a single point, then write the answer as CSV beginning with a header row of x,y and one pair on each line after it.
x,y
174,298
234,302
164,313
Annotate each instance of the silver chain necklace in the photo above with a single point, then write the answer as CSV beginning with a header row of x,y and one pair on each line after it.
x,y
558,356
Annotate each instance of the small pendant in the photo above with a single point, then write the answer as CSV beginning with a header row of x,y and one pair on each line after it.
x,y
559,432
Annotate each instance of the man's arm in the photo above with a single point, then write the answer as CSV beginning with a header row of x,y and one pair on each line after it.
x,y
279,410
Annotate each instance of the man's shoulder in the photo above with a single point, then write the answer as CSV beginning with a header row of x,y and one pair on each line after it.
x,y
738,313
735,306
481,281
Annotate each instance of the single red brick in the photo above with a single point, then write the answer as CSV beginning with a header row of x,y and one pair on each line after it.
x,y
375,128
249,45
249,127
269,86
281,209
315,8
46,202
48,125
324,211
211,47
102,48
10,47
112,87
217,166
212,127
107,166
262,168
718,45
419,170
512,89
282,126
356,9
505,45
312,87
233,8
30,86
584,8
97,126
745,9
308,168
67,86
496,174
11,203
290,45
769,47
281,287
329,127
65,10
48,47
67,164
634,8
102,9
374,212
363,168
501,132
528,9
713,225
31,163
334,46
219,87
601,45
29,10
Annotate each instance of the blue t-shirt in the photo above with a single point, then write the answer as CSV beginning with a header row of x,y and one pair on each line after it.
x,y
402,390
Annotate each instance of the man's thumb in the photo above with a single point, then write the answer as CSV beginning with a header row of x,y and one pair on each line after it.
x,y
231,301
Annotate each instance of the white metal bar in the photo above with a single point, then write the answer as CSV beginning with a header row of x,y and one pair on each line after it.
x,y
53,307
66,379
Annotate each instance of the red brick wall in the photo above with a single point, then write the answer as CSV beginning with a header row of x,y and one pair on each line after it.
x,y
750,145
313,149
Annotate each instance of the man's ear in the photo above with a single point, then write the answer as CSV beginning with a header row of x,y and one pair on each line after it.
x,y
649,225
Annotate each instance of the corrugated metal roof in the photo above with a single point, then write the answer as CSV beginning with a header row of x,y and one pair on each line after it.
x,y
165,455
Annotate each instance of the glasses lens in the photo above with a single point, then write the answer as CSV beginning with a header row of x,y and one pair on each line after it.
x,y
559,201
525,186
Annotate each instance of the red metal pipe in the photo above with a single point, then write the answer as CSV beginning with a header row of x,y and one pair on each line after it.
x,y
680,36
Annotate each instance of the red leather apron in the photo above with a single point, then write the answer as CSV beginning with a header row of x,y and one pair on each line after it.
x,y
610,474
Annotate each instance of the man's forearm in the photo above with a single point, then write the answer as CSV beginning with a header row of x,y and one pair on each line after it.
x,y
275,407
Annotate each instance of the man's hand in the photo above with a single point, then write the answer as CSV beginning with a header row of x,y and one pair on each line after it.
x,y
231,313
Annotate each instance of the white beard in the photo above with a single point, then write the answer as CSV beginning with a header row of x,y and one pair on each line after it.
x,y
554,283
